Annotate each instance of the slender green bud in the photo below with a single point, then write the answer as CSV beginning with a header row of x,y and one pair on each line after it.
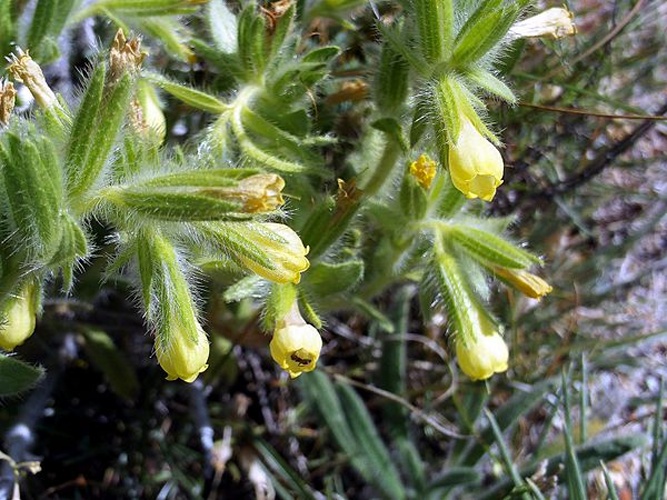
x,y
201,195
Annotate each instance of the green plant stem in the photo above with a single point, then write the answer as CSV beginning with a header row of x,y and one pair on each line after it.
x,y
383,170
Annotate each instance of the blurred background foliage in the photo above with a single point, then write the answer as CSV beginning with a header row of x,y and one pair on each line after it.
x,y
579,413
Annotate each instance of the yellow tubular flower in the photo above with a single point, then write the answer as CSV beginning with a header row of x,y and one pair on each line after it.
x,y
295,345
475,165
526,282
184,355
18,319
482,355
284,250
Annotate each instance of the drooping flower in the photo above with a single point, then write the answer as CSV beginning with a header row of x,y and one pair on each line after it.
x,y
482,355
475,165
295,345
183,353
18,318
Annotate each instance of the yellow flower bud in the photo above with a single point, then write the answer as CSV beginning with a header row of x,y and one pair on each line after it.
x,y
556,22
527,283
184,354
283,249
482,355
23,69
295,345
423,170
18,320
475,165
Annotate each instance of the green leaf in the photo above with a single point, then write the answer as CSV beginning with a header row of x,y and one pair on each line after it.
x,y
328,278
73,247
252,41
114,364
222,26
379,467
489,248
391,84
575,481
81,138
281,468
33,190
507,415
455,476
102,136
16,376
589,457
435,22
140,8
393,129
492,84
483,31
189,96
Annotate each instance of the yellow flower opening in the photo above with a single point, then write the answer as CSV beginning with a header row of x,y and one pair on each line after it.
x,y
482,355
423,170
526,282
18,318
184,354
295,345
475,165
